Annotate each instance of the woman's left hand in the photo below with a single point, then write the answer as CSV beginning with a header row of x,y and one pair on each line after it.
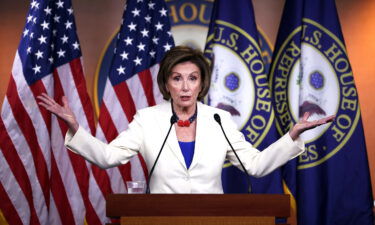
x,y
304,125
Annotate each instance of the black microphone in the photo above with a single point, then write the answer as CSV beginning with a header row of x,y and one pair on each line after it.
x,y
172,121
218,120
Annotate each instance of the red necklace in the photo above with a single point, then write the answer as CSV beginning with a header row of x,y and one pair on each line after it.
x,y
185,123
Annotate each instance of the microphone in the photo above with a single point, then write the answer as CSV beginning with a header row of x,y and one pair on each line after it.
x,y
218,120
172,121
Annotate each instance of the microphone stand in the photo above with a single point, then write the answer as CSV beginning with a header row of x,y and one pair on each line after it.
x,y
218,120
172,121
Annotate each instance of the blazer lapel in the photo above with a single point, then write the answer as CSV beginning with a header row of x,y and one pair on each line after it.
x,y
200,135
172,142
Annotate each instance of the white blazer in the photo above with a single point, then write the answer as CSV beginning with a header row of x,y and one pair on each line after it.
x,y
147,131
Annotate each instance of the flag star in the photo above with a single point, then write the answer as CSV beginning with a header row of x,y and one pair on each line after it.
x,y
32,35
68,24
138,1
42,39
152,53
128,41
159,26
56,19
61,53
148,19
76,45
29,18
141,47
64,39
155,40
54,32
34,20
138,61
121,70
52,46
28,50
136,12
25,32
144,32
36,69
163,12
34,4
48,10
124,55
70,11
167,47
132,26
39,54
169,34
45,25
50,59
151,5
60,4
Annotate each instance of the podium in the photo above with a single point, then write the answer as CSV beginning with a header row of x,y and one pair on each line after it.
x,y
197,209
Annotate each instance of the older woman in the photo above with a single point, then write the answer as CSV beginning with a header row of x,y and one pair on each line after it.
x,y
192,159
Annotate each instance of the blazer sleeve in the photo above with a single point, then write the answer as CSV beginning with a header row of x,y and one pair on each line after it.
x,y
260,163
119,151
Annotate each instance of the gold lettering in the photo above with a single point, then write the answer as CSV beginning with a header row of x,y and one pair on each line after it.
x,y
263,93
194,11
263,105
338,135
347,78
201,14
316,38
257,63
349,104
252,135
173,14
218,33
233,37
333,52
249,54
258,119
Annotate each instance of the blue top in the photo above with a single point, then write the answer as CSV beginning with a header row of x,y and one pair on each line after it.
x,y
187,149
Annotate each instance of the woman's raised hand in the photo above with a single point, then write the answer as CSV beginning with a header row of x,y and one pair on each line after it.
x,y
304,125
62,112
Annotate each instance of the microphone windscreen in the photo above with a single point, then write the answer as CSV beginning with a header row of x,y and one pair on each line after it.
x,y
217,118
173,119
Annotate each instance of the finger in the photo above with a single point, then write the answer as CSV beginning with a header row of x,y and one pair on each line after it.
x,y
65,102
47,99
306,116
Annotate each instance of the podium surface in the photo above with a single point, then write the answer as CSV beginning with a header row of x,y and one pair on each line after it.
x,y
251,209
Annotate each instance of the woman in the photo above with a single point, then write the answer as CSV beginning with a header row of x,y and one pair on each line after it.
x,y
193,156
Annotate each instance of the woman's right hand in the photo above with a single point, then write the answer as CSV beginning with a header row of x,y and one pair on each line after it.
x,y
62,112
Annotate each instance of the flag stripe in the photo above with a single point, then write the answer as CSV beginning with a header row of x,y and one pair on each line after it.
x,y
24,122
80,85
18,171
146,80
125,99
8,209
77,166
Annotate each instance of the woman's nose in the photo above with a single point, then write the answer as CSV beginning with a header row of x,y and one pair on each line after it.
x,y
185,86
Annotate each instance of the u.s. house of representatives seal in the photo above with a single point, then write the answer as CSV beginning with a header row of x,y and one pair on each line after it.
x,y
239,83
311,73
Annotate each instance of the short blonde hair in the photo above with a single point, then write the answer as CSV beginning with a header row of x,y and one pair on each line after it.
x,y
181,54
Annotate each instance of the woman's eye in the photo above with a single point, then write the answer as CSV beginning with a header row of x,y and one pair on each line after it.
x,y
176,78
193,78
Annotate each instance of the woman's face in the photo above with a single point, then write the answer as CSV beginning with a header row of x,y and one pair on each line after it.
x,y
184,84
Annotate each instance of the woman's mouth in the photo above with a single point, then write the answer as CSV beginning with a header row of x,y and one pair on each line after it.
x,y
185,98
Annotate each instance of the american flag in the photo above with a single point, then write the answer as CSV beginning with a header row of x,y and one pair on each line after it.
x,y
41,182
143,39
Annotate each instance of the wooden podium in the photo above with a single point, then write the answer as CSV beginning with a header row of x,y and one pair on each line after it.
x,y
197,209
